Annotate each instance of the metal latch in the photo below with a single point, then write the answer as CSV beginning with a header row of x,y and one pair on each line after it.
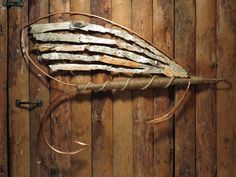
x,y
13,3
1,29
28,105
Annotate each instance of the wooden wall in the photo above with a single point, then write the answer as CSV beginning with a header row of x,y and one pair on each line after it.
x,y
201,139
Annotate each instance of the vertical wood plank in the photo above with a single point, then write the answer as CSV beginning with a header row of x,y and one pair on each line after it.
x,y
101,109
226,99
81,110
18,88
39,90
122,107
3,92
163,31
185,119
61,116
142,100
206,97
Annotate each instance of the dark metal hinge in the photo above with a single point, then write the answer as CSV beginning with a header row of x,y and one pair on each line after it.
x,y
13,3
28,105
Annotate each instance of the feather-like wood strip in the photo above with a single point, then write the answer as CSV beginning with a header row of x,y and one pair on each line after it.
x,y
89,67
93,58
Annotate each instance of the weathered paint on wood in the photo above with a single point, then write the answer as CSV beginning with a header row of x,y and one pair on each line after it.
x,y
81,165
185,119
61,116
101,109
206,97
3,93
122,107
142,100
163,38
18,89
226,98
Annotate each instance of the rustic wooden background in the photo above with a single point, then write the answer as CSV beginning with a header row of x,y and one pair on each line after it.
x,y
200,141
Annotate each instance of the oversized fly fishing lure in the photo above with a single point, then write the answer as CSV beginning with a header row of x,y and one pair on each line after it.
x,y
79,46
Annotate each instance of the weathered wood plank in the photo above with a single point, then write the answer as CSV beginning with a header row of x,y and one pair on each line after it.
x,y
101,109
61,117
163,34
142,100
81,110
226,99
122,107
3,93
185,119
18,88
206,97
39,90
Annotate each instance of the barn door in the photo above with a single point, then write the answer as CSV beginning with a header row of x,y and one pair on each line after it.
x,y
199,34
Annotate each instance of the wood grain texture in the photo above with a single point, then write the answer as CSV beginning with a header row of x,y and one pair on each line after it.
x,y
3,93
122,107
101,108
142,100
81,110
61,116
185,119
226,99
206,96
163,38
39,90
18,88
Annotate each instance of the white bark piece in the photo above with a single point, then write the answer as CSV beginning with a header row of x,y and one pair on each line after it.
x,y
94,58
90,67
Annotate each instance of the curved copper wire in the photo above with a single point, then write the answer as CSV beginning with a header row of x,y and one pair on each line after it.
x,y
167,115
59,99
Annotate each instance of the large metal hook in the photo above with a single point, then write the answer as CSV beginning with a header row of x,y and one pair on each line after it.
x,y
59,99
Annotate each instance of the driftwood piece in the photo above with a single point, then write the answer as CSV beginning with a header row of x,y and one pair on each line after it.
x,y
94,58
90,67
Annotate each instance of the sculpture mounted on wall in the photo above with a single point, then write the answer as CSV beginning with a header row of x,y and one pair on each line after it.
x,y
78,46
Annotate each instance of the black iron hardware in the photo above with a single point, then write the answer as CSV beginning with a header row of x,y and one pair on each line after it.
x,y
2,172
13,3
1,29
28,105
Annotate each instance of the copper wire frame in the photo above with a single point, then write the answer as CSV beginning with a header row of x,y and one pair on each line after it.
x,y
60,98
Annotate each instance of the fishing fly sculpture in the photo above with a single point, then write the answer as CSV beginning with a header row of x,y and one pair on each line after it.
x,y
78,46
